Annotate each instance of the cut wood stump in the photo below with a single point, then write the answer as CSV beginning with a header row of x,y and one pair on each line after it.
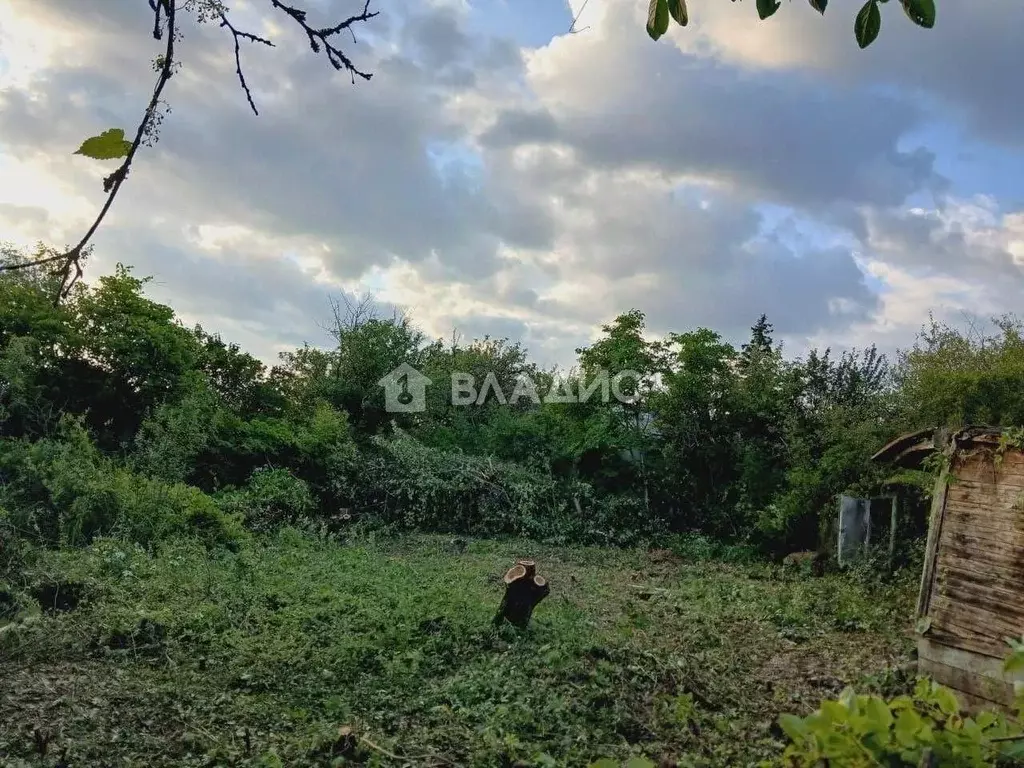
x,y
523,590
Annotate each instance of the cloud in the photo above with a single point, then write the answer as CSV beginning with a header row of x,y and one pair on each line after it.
x,y
970,240
961,262
619,101
969,60
513,189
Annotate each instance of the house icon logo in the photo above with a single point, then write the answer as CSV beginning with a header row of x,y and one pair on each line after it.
x,y
405,390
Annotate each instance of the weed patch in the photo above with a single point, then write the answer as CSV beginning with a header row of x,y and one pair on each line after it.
x,y
297,651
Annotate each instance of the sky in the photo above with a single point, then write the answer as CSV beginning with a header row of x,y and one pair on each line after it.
x,y
502,176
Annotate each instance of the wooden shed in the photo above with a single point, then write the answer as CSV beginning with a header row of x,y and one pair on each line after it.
x,y
972,584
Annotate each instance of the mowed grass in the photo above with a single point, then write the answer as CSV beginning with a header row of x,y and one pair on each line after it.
x,y
304,652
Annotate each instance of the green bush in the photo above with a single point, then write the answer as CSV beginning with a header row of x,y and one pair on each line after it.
x,y
700,547
12,547
402,482
272,499
619,520
114,501
63,491
925,728
169,442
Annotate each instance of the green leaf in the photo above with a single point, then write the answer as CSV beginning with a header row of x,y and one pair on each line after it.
x,y
1012,750
657,19
927,734
604,762
985,719
901,702
868,24
925,622
1015,661
947,702
921,12
109,145
834,712
878,714
848,698
639,762
794,727
677,8
819,6
908,726
766,8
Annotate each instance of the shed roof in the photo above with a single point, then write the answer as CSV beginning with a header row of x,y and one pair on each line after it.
x,y
907,450
911,449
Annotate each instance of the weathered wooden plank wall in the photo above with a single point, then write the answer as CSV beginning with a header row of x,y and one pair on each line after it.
x,y
973,584
980,679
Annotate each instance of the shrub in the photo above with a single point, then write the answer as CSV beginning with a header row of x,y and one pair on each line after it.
x,y
925,728
618,520
12,548
701,547
406,483
63,491
271,499
169,441
117,502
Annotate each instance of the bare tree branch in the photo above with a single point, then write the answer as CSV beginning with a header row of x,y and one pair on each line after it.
x,y
71,268
37,262
321,37
354,315
238,35
165,15
576,19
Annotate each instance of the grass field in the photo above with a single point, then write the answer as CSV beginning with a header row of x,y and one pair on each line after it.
x,y
303,652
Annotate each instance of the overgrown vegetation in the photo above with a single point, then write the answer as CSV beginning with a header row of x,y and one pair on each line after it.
x,y
177,657
209,545
924,727
110,405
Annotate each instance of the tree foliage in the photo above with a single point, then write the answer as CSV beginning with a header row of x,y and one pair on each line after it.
x,y
738,442
867,23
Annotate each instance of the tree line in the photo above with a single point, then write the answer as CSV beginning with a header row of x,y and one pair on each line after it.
x,y
115,418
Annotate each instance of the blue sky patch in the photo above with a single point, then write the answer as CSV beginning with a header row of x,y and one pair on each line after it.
x,y
456,163
531,23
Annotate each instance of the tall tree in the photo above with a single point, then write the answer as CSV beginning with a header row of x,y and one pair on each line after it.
x,y
696,415
762,401
633,366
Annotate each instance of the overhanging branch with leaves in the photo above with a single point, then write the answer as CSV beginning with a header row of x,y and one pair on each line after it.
x,y
867,24
113,145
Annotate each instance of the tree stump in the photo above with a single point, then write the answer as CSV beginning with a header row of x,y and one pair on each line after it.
x,y
523,590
